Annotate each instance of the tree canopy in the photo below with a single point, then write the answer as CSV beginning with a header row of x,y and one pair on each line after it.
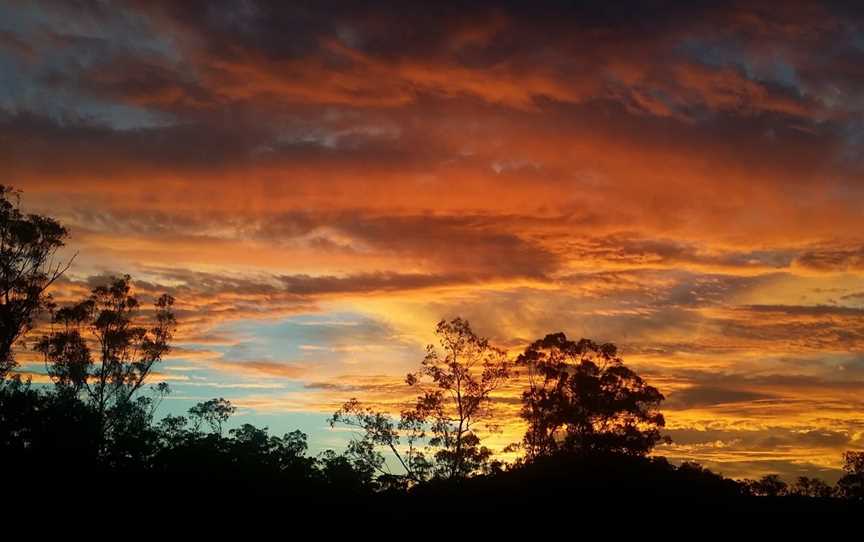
x,y
28,245
455,382
581,398
127,347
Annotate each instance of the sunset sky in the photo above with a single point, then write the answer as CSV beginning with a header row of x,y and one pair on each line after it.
x,y
318,183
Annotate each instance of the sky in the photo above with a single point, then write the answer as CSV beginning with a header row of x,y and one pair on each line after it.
x,y
319,183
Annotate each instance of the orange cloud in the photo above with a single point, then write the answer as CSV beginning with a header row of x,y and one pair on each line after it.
x,y
684,184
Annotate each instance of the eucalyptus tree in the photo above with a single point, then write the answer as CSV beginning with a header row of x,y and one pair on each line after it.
x,y
28,267
581,398
437,435
106,349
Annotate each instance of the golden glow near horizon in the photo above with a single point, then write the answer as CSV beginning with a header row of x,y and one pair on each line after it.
x,y
319,186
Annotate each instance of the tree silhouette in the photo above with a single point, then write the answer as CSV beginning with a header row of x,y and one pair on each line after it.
x,y
769,485
851,485
66,352
250,456
127,349
28,244
214,413
94,424
811,487
339,471
455,383
39,428
380,430
581,398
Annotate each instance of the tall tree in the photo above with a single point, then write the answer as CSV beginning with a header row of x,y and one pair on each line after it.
x,y
28,245
581,398
456,382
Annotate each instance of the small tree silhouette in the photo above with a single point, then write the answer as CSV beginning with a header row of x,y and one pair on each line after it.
x,y
213,412
770,485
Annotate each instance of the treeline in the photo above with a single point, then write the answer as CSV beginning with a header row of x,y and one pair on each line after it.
x,y
49,436
592,422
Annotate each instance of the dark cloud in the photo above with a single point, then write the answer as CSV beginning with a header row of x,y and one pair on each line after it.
x,y
471,244
450,249
769,450
366,283
644,58
850,259
630,249
772,437
194,284
806,310
700,396
765,381
793,327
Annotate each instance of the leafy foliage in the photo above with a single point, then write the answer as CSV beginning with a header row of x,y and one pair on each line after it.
x,y
379,430
57,431
851,485
811,487
213,412
126,348
769,485
28,244
456,384
581,398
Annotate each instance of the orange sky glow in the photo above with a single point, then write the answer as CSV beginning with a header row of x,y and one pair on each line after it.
x,y
318,183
